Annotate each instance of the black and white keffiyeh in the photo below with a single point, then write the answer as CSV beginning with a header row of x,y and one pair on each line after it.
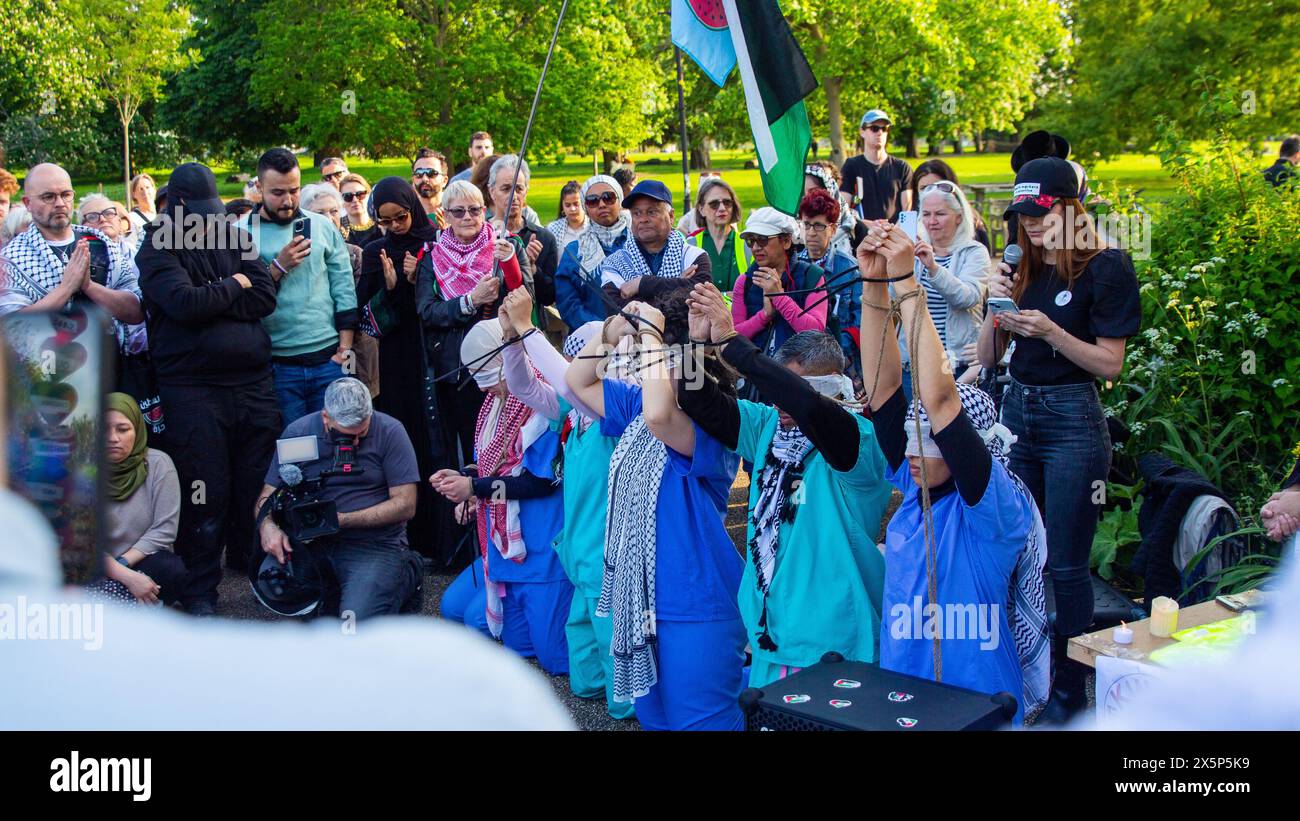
x,y
628,262
627,588
777,502
30,270
1026,601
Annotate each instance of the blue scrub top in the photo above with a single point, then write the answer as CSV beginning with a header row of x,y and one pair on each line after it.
x,y
539,519
976,550
697,568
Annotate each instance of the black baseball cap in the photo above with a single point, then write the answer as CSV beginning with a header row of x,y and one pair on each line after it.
x,y
653,189
193,187
1040,183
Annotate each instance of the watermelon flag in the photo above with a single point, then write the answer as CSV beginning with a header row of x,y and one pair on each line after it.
x,y
700,29
775,75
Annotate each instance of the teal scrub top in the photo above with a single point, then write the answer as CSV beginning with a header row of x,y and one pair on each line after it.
x,y
826,588
581,544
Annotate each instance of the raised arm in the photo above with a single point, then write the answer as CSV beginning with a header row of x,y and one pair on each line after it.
x,y
520,378
668,422
876,337
584,374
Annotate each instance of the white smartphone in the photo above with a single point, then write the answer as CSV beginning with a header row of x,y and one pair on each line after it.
x,y
908,221
1002,305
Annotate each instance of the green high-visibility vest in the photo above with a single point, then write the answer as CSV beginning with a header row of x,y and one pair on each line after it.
x,y
742,256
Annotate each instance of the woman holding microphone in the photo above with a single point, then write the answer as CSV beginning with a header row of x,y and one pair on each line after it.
x,y
1076,305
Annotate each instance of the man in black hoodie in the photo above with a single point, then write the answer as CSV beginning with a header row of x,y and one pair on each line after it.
x,y
205,294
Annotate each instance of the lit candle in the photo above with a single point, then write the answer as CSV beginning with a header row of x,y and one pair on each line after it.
x,y
1164,617
1123,634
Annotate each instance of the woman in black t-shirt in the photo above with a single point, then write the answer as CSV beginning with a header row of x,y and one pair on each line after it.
x,y
1078,303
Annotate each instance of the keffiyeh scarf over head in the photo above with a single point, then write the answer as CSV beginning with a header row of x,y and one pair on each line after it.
x,y
1027,606
592,244
627,588
629,263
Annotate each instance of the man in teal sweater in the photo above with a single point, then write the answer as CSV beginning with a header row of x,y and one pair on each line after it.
x,y
315,314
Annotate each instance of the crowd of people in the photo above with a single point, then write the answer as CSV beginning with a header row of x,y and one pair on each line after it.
x,y
581,489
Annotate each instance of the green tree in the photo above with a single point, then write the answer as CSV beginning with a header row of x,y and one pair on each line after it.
x,y
210,101
137,45
397,74
1138,62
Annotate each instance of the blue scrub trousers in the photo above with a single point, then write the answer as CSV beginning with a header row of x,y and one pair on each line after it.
x,y
533,615
591,667
699,665
465,600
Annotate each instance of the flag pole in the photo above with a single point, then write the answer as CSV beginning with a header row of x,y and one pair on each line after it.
x,y
532,114
681,114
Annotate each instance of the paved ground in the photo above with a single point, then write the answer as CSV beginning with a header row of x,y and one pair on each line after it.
x,y
237,602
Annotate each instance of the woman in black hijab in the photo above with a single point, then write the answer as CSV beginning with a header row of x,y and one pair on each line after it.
x,y
406,396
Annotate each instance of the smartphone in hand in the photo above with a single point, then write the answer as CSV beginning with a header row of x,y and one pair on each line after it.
x,y
302,228
1002,305
909,222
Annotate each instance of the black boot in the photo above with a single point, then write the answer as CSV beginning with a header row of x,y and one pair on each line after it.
x,y
1069,696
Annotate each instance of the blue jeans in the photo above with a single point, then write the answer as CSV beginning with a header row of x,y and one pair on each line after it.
x,y
300,390
1062,454
369,579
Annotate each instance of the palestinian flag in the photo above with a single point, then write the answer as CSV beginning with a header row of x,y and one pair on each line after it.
x,y
776,77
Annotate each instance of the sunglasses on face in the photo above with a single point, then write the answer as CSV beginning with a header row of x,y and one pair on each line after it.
x,y
460,212
717,205
609,198
755,241
331,177
883,128
397,220
427,172
349,196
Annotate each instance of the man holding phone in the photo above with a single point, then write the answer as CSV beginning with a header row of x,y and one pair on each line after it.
x,y
315,316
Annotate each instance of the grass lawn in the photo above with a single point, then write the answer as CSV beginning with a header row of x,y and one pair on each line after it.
x,y
1136,171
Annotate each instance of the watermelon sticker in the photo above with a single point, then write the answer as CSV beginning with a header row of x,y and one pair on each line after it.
x,y
709,12
906,723
900,697
796,699
839,702
847,684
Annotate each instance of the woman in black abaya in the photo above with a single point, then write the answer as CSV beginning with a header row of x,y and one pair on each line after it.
x,y
389,292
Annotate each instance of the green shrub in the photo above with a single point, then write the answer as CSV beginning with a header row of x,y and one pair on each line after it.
x,y
1213,380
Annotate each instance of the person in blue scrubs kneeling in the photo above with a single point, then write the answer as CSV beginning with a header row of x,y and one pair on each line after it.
x,y
947,603
525,596
671,571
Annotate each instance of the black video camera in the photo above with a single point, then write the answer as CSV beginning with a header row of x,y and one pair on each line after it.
x,y
297,507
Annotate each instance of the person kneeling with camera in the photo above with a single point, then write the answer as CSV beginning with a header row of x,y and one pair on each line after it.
x,y
346,497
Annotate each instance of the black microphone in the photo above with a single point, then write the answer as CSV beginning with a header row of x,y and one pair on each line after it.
x,y
1012,256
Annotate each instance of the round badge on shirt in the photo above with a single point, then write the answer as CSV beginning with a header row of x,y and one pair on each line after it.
x,y
1063,298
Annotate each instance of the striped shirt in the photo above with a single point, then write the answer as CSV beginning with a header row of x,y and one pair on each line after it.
x,y
936,301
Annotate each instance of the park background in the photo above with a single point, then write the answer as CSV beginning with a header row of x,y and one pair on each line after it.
x,y
1172,107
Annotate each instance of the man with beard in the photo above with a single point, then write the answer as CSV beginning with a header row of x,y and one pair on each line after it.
x,y
52,263
315,315
429,177
537,242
